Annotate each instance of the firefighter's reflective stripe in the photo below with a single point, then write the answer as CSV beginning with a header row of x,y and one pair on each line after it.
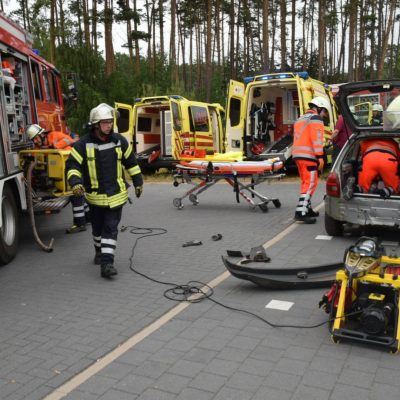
x,y
134,170
384,149
128,152
91,163
74,172
102,200
76,156
120,178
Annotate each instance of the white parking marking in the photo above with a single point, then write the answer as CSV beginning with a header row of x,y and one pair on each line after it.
x,y
280,305
323,237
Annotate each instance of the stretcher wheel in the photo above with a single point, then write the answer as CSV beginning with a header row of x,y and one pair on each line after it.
x,y
263,207
176,183
177,203
193,199
335,339
276,203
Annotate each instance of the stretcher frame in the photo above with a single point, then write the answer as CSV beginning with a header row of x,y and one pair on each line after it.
x,y
208,179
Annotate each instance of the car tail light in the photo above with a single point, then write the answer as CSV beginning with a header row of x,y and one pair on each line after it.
x,y
333,185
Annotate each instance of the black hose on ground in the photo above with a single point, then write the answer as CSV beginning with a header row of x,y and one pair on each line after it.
x,y
48,248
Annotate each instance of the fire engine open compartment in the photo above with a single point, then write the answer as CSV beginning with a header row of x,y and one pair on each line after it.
x,y
15,97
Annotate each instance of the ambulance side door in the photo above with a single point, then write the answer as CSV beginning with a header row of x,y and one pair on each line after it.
x,y
217,118
234,116
177,129
124,122
201,127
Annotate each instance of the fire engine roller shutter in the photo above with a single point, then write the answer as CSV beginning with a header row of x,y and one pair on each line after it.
x,y
13,53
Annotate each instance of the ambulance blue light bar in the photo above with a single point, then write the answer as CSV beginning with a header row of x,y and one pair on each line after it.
x,y
267,77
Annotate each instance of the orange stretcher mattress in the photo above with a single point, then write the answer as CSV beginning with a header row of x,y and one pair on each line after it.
x,y
232,168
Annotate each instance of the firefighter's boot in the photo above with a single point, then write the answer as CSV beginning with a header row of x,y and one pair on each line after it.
x,y
310,211
305,218
76,228
97,258
108,270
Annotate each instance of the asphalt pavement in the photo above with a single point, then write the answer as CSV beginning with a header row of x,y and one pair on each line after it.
x,y
66,332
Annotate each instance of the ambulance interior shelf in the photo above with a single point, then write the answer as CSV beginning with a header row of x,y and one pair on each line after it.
x,y
272,115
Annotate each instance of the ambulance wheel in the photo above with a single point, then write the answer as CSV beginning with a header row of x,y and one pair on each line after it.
x,y
9,232
276,203
193,199
263,207
177,203
333,227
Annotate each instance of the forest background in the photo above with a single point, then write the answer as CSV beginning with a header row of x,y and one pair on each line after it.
x,y
194,47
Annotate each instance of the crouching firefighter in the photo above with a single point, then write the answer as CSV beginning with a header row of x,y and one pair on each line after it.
x,y
308,153
94,167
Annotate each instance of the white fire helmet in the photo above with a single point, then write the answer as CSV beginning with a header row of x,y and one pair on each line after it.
x,y
391,117
320,102
377,107
33,130
102,112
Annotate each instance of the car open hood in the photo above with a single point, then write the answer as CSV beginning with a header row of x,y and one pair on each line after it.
x,y
357,100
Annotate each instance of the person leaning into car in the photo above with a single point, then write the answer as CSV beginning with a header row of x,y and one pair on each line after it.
x,y
308,153
379,157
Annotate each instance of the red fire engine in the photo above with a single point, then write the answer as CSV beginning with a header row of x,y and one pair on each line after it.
x,y
30,92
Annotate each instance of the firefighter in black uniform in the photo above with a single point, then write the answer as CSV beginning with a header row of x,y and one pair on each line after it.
x,y
95,167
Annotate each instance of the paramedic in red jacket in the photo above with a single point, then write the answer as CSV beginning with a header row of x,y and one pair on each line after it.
x,y
308,153
58,140
380,157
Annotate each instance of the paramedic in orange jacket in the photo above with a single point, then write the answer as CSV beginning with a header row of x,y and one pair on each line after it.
x,y
308,153
58,140
380,157
49,140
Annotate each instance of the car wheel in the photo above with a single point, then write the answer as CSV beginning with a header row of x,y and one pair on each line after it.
x,y
9,232
333,227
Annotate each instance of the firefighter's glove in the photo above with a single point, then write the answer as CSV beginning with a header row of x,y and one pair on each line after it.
x,y
138,191
78,190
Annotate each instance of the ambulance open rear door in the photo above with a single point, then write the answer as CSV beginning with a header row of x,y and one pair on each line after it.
x,y
124,121
235,116
176,139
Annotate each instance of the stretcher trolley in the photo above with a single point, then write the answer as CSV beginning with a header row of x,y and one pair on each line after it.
x,y
205,174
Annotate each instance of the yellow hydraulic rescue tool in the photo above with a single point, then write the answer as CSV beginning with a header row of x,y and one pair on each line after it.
x,y
364,301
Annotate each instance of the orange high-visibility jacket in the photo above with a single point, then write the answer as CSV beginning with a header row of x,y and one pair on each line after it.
x,y
60,140
308,140
382,145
